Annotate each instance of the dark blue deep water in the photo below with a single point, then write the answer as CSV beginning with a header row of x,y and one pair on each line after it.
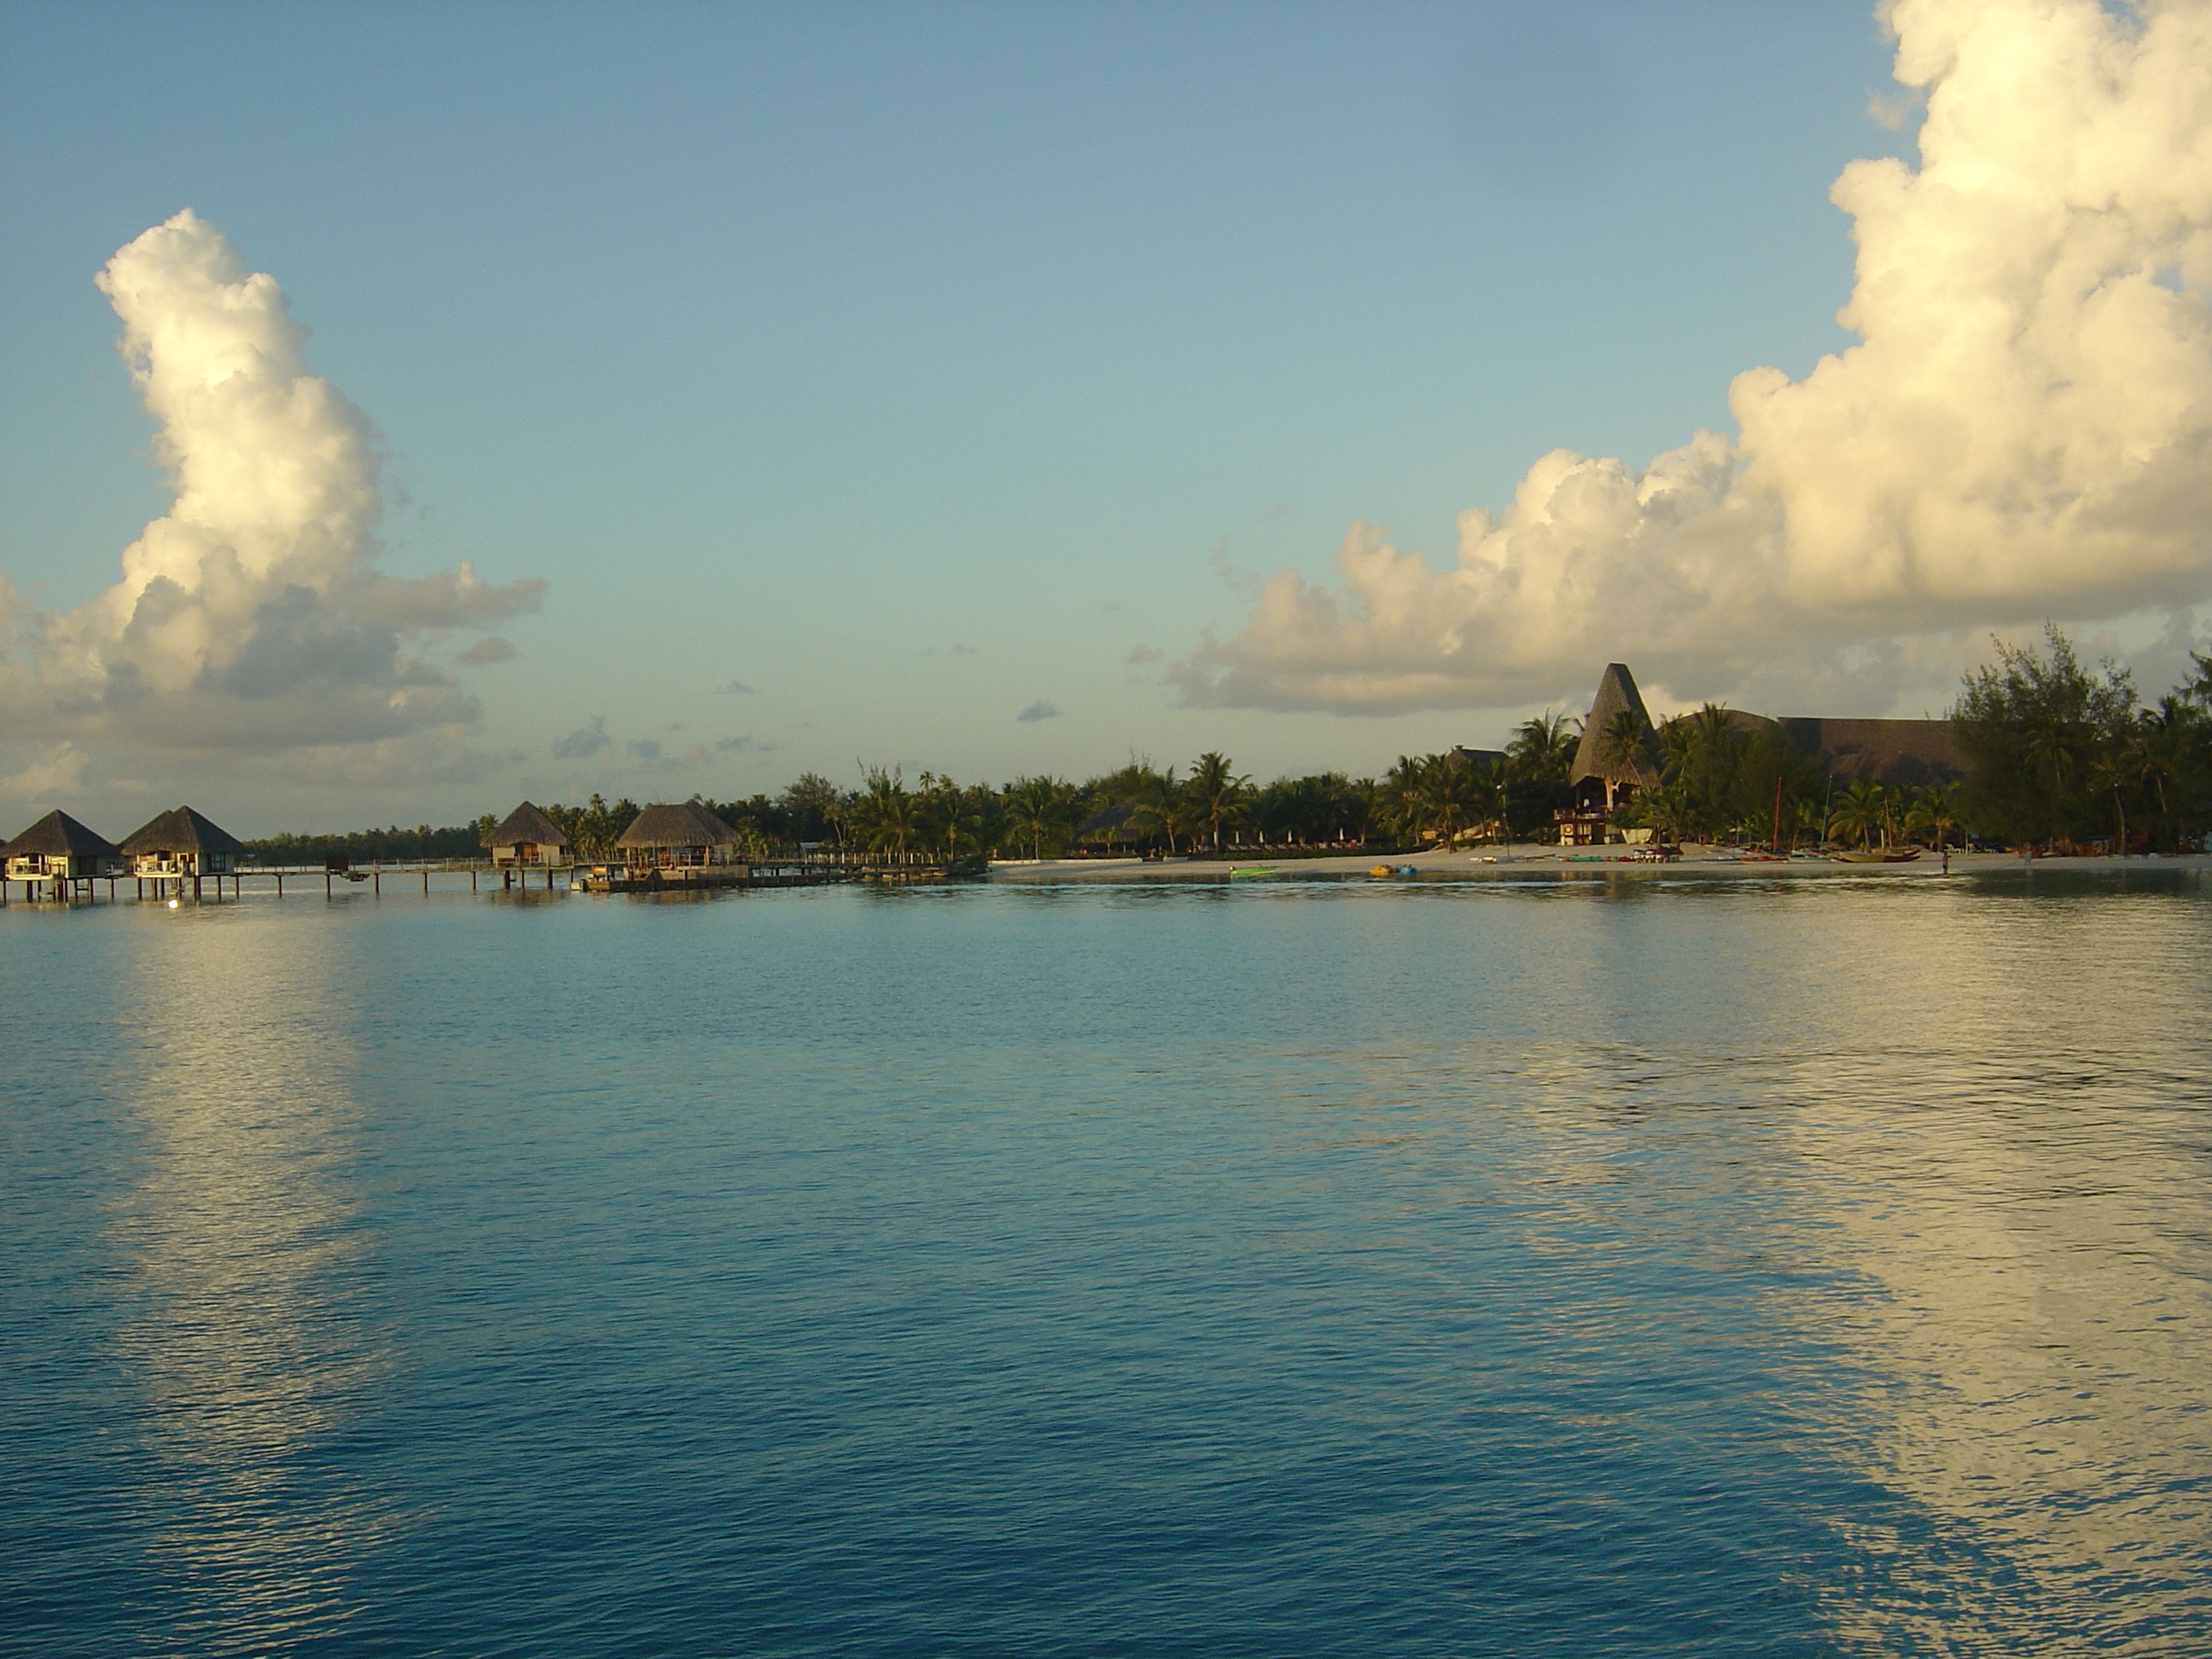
x,y
1622,1266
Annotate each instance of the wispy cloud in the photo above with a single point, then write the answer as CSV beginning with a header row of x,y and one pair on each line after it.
x,y
1145,653
734,689
585,742
489,649
1039,710
644,749
744,745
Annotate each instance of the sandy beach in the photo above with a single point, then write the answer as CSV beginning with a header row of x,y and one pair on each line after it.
x,y
1554,863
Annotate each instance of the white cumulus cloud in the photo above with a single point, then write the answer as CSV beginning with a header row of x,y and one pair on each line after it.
x,y
2022,430
252,615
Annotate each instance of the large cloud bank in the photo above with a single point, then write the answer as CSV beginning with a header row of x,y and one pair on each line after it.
x,y
2022,430
252,615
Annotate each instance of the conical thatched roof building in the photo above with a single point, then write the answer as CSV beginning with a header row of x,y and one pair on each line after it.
x,y
1607,777
58,846
182,842
527,839
684,835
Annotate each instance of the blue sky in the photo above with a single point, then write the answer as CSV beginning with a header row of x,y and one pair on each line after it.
x,y
917,366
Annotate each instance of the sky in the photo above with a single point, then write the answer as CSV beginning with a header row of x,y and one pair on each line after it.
x,y
408,409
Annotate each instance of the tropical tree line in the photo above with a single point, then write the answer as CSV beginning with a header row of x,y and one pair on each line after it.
x,y
2056,756
1139,807
394,845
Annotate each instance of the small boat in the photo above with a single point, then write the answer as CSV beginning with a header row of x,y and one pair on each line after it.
x,y
1251,871
1885,856
1383,870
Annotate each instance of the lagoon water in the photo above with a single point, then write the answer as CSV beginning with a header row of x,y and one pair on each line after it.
x,y
1635,1267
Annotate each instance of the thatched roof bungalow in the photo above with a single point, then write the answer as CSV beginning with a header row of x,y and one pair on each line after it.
x,y
179,844
527,840
1602,776
679,837
59,848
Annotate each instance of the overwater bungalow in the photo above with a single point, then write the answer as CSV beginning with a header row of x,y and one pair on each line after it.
x,y
60,850
527,840
181,846
681,843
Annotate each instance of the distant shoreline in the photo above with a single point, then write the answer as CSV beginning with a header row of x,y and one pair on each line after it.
x,y
1548,861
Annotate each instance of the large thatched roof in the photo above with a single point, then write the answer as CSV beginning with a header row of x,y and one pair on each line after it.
x,y
56,835
524,824
1616,690
1887,751
686,823
181,830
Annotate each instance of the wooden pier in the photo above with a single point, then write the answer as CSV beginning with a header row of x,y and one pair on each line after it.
x,y
815,868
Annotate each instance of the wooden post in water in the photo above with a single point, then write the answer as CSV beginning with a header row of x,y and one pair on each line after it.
x,y
426,881
280,883
378,878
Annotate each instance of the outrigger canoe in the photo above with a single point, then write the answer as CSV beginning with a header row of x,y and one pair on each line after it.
x,y
1887,856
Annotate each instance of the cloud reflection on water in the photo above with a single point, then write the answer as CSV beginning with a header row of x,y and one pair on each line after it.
x,y
2029,1221
1958,1138
246,1337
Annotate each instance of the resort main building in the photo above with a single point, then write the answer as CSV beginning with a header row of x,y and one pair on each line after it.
x,y
1605,775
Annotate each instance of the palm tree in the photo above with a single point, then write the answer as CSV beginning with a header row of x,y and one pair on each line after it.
x,y
1661,808
1037,807
1861,811
1934,809
1804,818
1216,792
1404,805
2122,762
1542,747
1451,791
1163,803
887,812
2052,745
1621,743
2165,735
947,812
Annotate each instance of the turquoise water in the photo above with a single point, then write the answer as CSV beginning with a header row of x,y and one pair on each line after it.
x,y
1615,1267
